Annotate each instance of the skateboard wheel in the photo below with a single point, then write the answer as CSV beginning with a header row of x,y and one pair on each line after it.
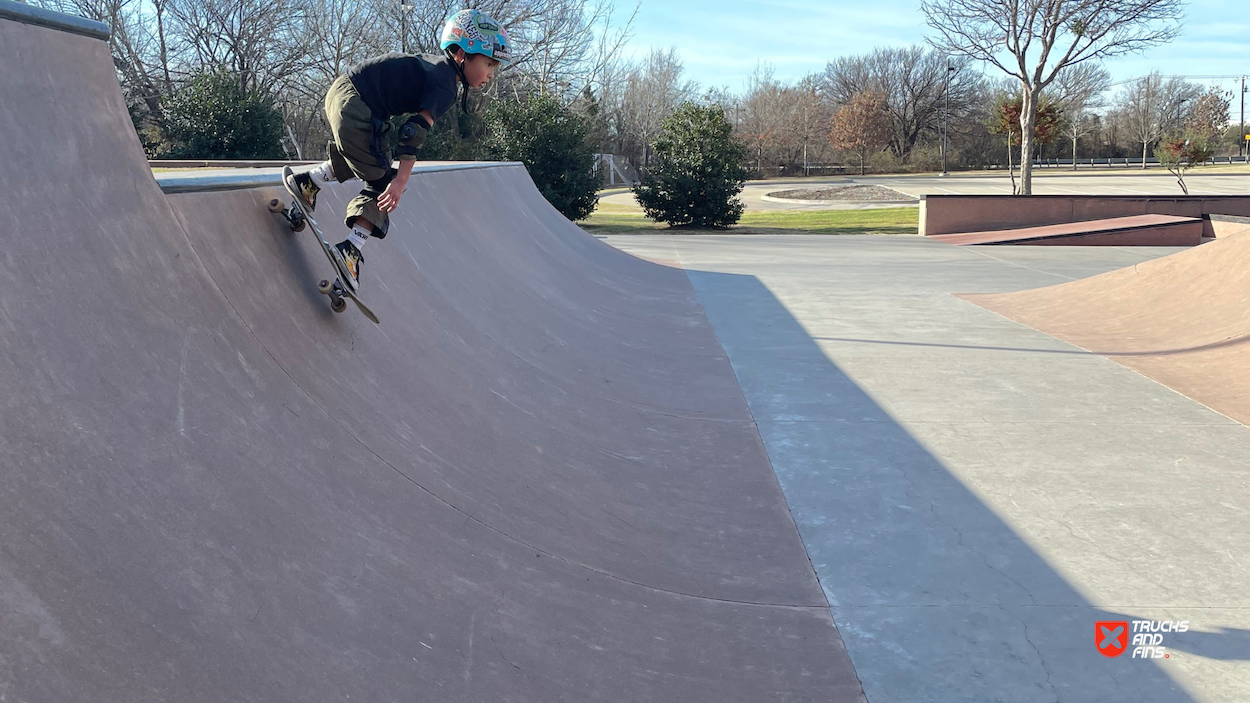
x,y
275,205
338,304
298,226
325,287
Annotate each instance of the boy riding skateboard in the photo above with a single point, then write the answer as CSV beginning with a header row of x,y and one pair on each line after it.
x,y
361,101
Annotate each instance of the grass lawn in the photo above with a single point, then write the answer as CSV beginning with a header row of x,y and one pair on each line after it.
x,y
620,219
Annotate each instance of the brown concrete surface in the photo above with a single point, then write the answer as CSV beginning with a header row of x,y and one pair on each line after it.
x,y
1180,320
1223,226
951,214
1137,230
537,480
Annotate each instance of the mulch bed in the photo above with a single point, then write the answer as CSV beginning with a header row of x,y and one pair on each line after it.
x,y
856,192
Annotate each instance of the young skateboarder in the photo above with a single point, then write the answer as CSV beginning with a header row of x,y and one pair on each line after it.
x,y
361,101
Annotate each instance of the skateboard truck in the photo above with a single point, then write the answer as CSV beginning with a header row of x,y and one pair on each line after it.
x,y
291,214
335,292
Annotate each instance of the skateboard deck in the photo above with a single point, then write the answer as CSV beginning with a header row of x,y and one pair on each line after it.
x,y
297,215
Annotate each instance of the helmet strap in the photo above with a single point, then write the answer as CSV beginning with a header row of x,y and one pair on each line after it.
x,y
464,82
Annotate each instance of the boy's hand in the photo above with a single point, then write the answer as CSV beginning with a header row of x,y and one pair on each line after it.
x,y
389,200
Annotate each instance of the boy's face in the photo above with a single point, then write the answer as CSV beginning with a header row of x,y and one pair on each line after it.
x,y
479,70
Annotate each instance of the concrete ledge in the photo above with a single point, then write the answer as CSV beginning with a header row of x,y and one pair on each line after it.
x,y
951,214
27,14
1138,230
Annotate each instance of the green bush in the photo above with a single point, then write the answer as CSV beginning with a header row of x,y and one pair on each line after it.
x,y
698,171
884,162
214,116
551,141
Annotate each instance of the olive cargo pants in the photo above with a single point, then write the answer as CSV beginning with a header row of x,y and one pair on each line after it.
x,y
359,148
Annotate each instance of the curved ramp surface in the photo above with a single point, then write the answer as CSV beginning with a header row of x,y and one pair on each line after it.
x,y
537,480
1180,320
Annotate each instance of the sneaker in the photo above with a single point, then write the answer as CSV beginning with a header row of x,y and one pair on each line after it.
x,y
352,258
304,186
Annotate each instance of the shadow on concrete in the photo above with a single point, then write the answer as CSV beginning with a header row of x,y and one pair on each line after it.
x,y
1224,643
1232,342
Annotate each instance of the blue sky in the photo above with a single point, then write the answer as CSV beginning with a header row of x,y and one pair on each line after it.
x,y
721,41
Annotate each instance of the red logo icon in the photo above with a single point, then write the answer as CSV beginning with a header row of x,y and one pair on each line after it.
x,y
1111,637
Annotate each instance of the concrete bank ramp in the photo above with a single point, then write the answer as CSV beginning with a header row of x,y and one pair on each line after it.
x,y
537,480
1181,320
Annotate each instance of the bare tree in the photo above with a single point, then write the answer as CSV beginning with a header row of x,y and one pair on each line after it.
x,y
260,41
1081,84
1033,40
1151,105
764,113
809,119
644,95
914,84
293,49
574,47
1079,90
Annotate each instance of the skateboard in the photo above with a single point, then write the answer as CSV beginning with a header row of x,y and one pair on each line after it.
x,y
297,216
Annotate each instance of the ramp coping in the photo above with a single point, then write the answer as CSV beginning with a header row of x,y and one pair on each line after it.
x,y
28,14
203,183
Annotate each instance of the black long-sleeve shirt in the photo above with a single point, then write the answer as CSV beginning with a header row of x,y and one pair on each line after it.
x,y
401,84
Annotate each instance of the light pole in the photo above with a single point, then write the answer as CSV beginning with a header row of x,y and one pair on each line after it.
x,y
946,113
1182,101
404,7
1242,145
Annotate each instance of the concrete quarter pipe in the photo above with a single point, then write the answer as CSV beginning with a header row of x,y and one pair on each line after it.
x,y
536,481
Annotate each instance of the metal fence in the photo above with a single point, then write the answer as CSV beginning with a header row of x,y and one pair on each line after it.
x,y
615,170
1126,162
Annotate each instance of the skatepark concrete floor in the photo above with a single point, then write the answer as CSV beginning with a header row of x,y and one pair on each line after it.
x,y
975,494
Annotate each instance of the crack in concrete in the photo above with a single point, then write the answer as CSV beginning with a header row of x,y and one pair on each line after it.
x,y
984,558
1040,659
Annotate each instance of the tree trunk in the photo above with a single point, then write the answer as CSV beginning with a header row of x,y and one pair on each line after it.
x,y
861,164
160,32
1074,152
1011,168
1028,122
1143,154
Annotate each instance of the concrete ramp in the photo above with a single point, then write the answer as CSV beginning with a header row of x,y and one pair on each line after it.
x,y
537,480
1224,225
1135,230
1182,320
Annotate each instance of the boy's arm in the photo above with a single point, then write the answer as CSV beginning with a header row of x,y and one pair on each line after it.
x,y
389,200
